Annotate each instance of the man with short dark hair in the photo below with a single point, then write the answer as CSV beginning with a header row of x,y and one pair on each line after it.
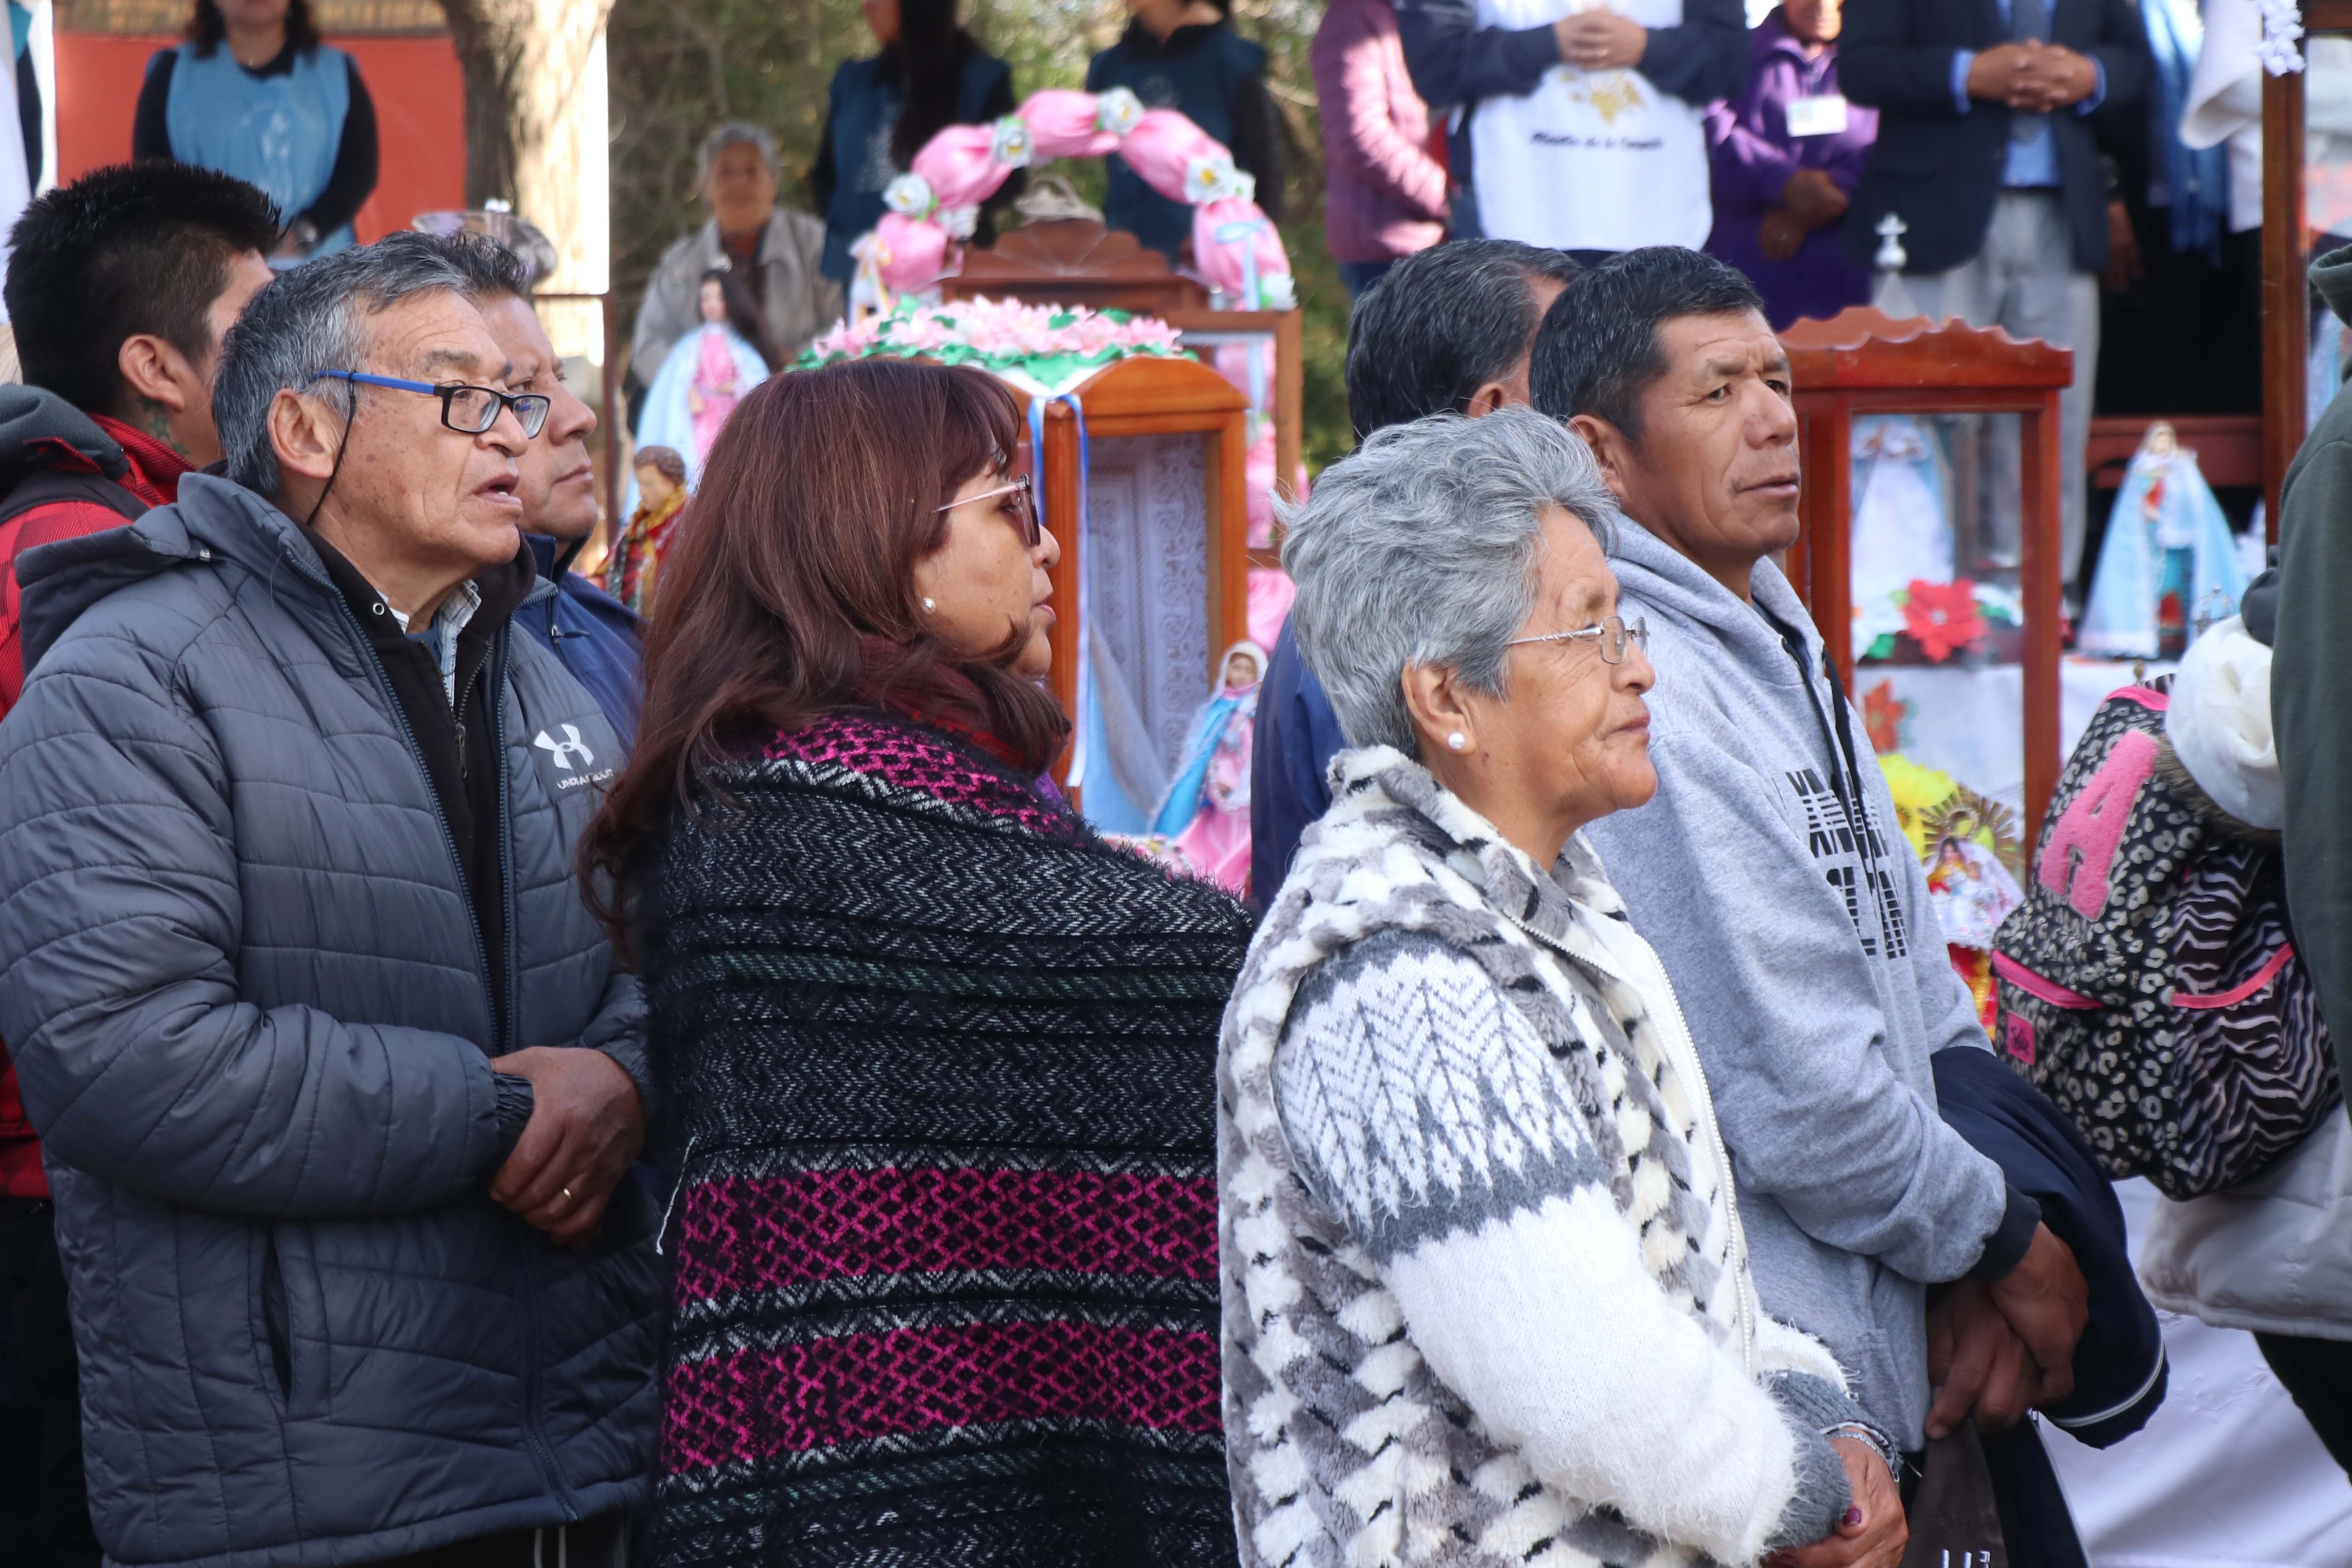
x,y
1776,884
593,634
337,1076
1446,330
119,287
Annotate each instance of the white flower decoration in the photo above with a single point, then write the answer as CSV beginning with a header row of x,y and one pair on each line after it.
x,y
960,222
1010,145
1117,111
909,194
2281,49
1276,292
1214,179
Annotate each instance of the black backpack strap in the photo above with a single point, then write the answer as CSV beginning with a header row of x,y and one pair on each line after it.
x,y
47,487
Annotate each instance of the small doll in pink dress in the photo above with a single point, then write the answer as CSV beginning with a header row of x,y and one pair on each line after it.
x,y
709,372
1205,812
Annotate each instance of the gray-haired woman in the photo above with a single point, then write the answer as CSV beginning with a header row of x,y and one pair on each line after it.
x,y
777,249
1485,1286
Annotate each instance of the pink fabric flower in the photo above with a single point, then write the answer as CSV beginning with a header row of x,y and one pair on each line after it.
x,y
960,166
1270,595
1062,125
1162,142
911,252
1225,263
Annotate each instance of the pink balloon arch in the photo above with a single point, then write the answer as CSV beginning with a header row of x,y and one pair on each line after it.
x,y
935,205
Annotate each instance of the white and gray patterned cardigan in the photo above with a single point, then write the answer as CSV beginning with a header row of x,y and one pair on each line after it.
x,y
1485,1296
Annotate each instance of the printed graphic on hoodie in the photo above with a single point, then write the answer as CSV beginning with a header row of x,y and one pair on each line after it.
x,y
1853,862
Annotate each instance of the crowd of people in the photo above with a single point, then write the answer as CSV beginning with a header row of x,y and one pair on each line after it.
x,y
490,1077
500,1067
2030,150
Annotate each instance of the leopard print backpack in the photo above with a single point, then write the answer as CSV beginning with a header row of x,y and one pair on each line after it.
x,y
2148,986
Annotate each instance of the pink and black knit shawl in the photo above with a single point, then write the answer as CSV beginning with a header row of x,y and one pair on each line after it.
x,y
941,1066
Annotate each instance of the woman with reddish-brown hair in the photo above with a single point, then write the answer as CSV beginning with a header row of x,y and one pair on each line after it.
x,y
937,1061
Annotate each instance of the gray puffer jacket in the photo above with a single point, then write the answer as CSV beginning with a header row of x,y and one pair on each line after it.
x,y
239,978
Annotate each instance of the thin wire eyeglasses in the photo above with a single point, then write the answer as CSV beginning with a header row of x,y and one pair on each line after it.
x,y
1031,530
1612,636
468,410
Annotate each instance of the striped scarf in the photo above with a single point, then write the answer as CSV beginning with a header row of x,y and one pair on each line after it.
x,y
942,1061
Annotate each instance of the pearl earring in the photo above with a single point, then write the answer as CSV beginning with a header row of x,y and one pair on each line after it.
x,y
1458,741
929,605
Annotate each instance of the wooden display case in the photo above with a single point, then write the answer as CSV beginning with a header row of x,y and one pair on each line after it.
x,y
2294,161
1074,261
1862,363
1166,438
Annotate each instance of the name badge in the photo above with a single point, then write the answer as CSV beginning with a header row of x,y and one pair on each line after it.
x,y
1822,116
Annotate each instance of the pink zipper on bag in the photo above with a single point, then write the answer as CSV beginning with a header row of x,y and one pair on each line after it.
x,y
2033,984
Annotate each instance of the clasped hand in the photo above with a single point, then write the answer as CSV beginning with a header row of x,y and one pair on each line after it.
x,y
1999,1350
1601,40
1811,199
1874,1531
2032,78
587,1123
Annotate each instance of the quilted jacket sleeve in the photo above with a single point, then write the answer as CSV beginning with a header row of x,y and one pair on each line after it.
x,y
618,1031
121,913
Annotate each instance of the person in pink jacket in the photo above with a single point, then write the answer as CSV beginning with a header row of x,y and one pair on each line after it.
x,y
1385,194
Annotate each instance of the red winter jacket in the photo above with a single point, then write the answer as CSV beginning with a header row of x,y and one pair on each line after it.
x,y
83,473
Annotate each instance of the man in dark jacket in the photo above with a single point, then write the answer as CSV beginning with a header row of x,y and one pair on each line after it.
x,y
336,1076
1607,154
593,634
2311,708
1446,331
1985,150
121,285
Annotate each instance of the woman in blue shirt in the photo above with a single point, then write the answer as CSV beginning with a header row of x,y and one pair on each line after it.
x,y
256,94
929,75
1184,55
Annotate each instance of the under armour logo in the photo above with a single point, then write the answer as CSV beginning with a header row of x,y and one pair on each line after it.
x,y
564,751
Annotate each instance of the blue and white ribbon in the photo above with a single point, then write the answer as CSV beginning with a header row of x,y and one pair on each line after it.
x,y
1086,686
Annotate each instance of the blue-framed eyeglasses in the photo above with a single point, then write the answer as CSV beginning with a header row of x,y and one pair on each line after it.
x,y
468,409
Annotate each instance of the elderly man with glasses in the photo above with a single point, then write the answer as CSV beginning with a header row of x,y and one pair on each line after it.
x,y
337,1077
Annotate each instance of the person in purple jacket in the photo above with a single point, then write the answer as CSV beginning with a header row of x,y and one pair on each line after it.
x,y
1384,194
1787,154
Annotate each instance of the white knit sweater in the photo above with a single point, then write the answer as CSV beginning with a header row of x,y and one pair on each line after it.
x,y
1485,1296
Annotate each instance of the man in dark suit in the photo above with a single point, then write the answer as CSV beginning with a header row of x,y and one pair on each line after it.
x,y
1985,152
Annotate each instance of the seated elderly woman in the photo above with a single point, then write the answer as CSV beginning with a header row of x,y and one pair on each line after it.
x,y
1485,1284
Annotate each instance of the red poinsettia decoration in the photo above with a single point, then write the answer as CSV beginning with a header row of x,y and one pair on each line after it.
x,y
1942,617
1882,713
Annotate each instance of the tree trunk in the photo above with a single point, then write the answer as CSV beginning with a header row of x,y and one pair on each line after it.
x,y
535,122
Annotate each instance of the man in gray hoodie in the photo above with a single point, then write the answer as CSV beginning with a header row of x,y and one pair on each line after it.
x,y
1771,875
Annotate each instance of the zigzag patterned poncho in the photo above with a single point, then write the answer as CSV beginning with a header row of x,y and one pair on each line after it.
x,y
1485,1302
942,1061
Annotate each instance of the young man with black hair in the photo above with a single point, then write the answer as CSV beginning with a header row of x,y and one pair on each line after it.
x,y
120,287
1447,330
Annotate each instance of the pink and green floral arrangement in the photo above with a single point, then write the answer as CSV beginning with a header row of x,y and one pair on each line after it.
x,y
1045,348
934,207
